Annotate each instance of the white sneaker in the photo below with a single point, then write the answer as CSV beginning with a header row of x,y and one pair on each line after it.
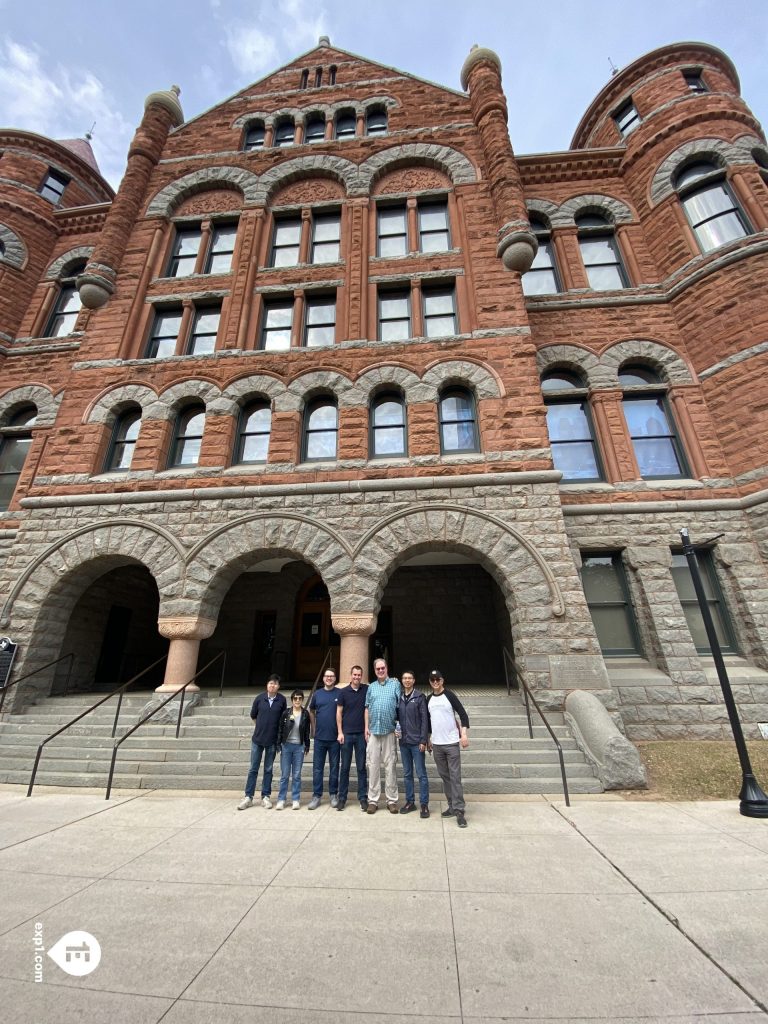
x,y
296,805
245,804
280,805
266,802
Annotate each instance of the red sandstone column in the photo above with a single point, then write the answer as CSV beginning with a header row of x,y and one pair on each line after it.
x,y
185,634
354,631
690,439
481,77
162,112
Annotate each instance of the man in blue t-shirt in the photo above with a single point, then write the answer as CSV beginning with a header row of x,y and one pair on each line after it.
x,y
322,711
350,721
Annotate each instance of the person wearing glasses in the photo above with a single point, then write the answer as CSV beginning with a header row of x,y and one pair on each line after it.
x,y
380,720
294,745
322,711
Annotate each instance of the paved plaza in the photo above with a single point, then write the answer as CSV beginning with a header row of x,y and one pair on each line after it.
x,y
610,910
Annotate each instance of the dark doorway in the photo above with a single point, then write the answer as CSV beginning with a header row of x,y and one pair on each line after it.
x,y
314,634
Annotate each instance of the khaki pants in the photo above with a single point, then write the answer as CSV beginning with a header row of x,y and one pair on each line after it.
x,y
381,750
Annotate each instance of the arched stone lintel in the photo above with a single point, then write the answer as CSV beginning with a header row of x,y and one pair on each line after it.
x,y
256,385
171,400
572,357
172,195
543,208
482,379
14,251
312,165
46,403
396,378
720,151
115,400
345,391
456,165
661,357
615,210
60,266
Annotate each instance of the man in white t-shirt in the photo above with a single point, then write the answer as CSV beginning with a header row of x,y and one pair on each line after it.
x,y
446,740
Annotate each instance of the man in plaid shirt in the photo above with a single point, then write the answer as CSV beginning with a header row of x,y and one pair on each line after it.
x,y
380,719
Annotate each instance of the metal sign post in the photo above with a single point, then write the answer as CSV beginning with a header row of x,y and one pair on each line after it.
x,y
753,801
7,655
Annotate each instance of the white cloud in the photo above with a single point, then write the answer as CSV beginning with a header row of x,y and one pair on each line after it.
x,y
252,51
258,43
50,99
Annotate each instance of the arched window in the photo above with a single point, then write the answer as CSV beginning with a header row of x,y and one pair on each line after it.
x,y
569,424
600,253
253,432
388,433
542,278
314,130
188,436
285,132
346,124
67,307
710,206
15,441
254,135
651,428
321,430
124,437
458,421
376,121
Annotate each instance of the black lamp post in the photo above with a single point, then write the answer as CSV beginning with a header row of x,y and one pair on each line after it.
x,y
753,802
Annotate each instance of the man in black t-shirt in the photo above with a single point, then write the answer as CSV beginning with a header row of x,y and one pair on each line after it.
x,y
350,722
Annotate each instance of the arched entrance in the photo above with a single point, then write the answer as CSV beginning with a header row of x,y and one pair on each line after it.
x,y
442,609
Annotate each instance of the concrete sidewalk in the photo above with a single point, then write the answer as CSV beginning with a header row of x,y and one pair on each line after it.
x,y
610,910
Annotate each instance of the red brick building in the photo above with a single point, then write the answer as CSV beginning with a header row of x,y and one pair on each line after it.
x,y
299,385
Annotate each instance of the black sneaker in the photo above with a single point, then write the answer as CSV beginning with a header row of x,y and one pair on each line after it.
x,y
461,821
341,805
407,808
448,813
364,806
424,811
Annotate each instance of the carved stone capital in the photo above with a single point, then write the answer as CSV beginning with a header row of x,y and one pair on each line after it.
x,y
354,625
187,627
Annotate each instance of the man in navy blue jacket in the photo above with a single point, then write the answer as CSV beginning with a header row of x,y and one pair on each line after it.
x,y
413,719
266,713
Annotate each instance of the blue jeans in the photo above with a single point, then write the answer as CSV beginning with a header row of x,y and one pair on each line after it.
x,y
291,762
411,756
323,749
266,780
354,742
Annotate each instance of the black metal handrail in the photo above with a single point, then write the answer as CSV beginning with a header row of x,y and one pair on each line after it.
x,y
527,695
172,696
34,672
120,689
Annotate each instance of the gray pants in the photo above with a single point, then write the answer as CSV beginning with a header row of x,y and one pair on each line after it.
x,y
381,752
448,764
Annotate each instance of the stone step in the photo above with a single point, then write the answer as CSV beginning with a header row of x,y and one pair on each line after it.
x,y
550,785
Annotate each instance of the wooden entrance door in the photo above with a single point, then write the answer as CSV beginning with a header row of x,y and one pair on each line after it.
x,y
313,634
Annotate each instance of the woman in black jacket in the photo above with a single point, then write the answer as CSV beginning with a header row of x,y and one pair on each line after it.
x,y
293,744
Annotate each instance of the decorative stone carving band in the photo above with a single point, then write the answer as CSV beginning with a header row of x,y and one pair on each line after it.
x,y
186,627
12,249
354,625
172,195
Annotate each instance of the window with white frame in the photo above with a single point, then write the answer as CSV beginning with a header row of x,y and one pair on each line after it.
x,y
600,253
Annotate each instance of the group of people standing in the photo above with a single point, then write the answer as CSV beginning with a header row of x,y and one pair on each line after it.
x,y
367,721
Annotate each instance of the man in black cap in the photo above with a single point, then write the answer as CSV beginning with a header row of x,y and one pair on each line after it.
x,y
446,740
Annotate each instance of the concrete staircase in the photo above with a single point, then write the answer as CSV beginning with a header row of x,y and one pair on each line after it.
x,y
213,748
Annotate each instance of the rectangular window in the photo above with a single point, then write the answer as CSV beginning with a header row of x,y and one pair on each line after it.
x,y
572,441
395,315
392,234
326,238
185,249
605,588
65,313
286,242
439,312
681,574
53,185
541,279
276,325
655,442
434,235
205,327
626,118
695,82
222,247
165,332
602,262
320,321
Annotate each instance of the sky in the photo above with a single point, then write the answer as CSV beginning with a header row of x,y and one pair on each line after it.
x,y
59,75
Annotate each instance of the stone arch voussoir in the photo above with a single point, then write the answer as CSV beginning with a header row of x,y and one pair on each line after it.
x,y
571,357
347,393
719,151
318,165
172,195
173,398
662,358
47,404
215,563
62,264
13,251
255,386
458,167
398,378
114,401
615,210
544,208
480,378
